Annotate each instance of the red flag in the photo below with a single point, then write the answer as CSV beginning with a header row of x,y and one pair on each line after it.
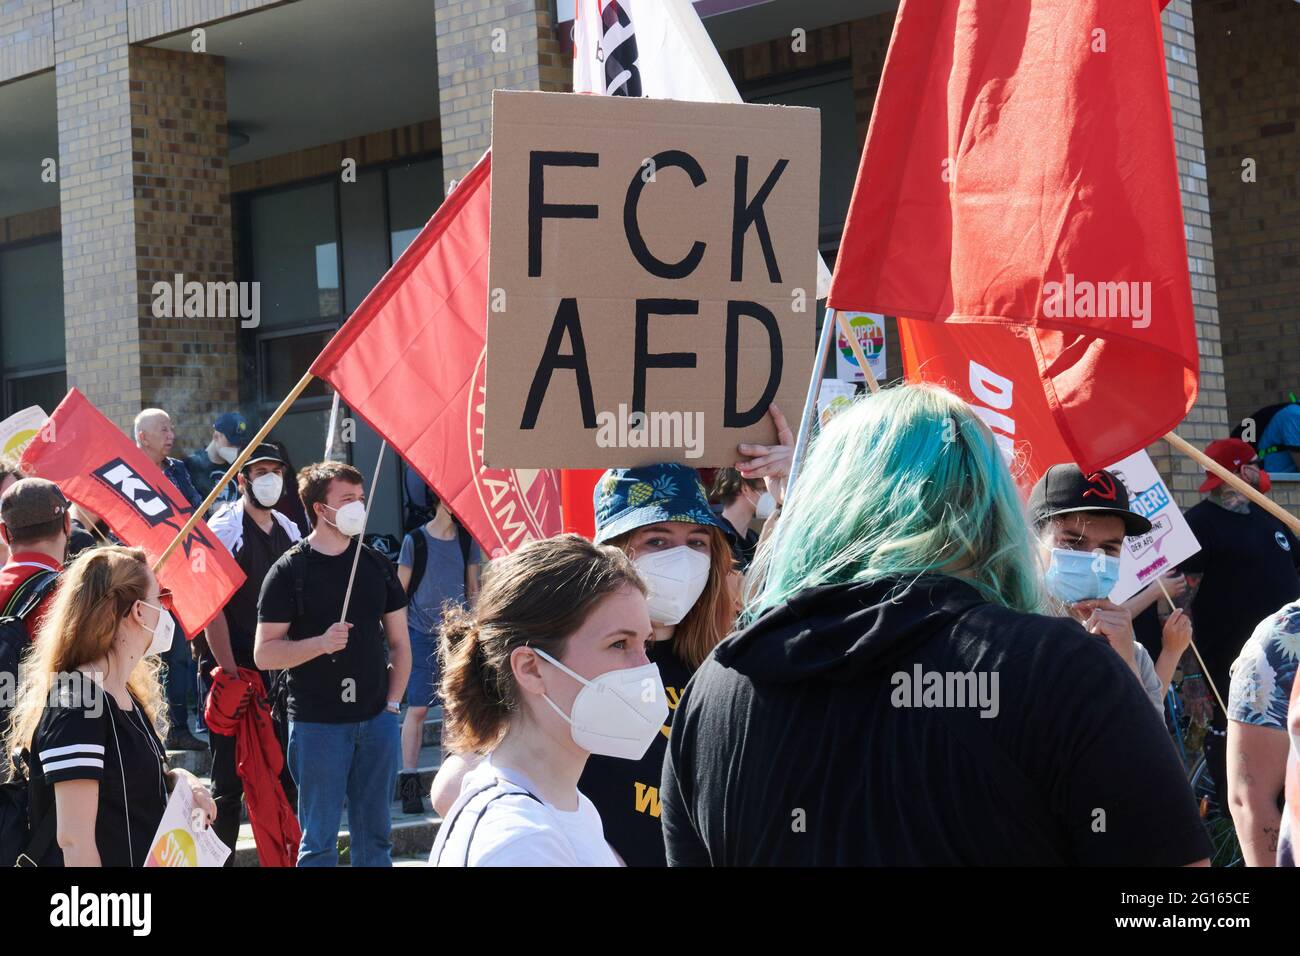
x,y
410,362
1020,170
993,369
97,466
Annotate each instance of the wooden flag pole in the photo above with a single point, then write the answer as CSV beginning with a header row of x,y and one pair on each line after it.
x,y
1204,670
858,354
233,470
1236,481
370,499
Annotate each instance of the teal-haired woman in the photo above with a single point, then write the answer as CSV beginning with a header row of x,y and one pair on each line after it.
x,y
896,699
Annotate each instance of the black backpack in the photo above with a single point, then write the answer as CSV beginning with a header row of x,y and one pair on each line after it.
x,y
20,844
14,636
1261,419
420,554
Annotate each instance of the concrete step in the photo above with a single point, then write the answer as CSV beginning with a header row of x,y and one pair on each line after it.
x,y
429,763
412,836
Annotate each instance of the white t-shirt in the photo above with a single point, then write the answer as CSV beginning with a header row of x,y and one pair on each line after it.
x,y
497,821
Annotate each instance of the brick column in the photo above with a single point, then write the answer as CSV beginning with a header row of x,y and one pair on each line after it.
x,y
144,194
96,204
183,226
1208,419
484,45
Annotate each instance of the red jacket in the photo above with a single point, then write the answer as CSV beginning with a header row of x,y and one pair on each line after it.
x,y
21,566
237,708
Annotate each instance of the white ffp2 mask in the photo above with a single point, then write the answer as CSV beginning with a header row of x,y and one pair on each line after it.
x,y
163,631
616,714
676,579
267,489
350,519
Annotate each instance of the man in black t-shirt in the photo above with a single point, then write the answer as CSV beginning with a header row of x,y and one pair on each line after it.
x,y
1248,561
345,680
256,535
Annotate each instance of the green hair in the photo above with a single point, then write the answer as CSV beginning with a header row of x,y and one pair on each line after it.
x,y
903,483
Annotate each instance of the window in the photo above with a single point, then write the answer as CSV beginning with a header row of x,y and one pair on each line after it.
x,y
318,249
31,325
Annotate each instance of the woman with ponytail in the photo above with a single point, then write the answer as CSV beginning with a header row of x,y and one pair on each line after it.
x,y
548,669
87,711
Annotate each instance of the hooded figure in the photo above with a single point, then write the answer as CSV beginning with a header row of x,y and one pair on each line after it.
x,y
895,698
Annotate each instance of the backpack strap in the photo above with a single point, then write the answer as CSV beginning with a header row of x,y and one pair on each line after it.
x,y
419,560
451,824
462,535
298,574
30,593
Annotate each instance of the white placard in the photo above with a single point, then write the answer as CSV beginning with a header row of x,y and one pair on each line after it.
x,y
18,430
869,327
179,841
1170,540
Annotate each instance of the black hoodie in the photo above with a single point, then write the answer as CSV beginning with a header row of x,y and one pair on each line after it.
x,y
814,738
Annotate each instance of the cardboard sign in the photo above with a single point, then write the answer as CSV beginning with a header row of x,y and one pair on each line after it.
x,y
1170,540
18,430
181,839
650,291
869,327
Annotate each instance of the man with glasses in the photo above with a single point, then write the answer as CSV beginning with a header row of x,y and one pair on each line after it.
x,y
1247,562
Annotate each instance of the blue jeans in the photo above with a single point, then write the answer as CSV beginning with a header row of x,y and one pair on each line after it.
x,y
356,763
180,678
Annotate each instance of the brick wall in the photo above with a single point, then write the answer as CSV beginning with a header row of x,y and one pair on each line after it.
x,y
150,19
38,224
182,226
26,38
1249,55
526,57
96,204
418,139
1208,419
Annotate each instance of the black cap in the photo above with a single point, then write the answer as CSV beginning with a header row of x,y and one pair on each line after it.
x,y
1065,489
264,452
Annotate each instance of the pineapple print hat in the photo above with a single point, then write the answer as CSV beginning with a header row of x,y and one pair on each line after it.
x,y
629,498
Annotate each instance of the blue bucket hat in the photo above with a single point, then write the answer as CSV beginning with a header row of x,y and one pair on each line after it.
x,y
629,498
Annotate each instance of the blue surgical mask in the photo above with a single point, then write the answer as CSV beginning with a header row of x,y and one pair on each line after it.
x,y
1080,575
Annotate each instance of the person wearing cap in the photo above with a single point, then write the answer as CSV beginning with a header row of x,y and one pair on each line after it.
x,y
256,535
35,522
1082,521
230,433
1248,569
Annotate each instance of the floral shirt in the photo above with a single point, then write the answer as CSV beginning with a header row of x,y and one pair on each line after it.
x,y
1265,671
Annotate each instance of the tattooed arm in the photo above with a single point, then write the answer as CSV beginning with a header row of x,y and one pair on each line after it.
x,y
1256,773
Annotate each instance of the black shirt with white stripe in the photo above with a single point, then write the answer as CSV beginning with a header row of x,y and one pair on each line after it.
x,y
87,736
